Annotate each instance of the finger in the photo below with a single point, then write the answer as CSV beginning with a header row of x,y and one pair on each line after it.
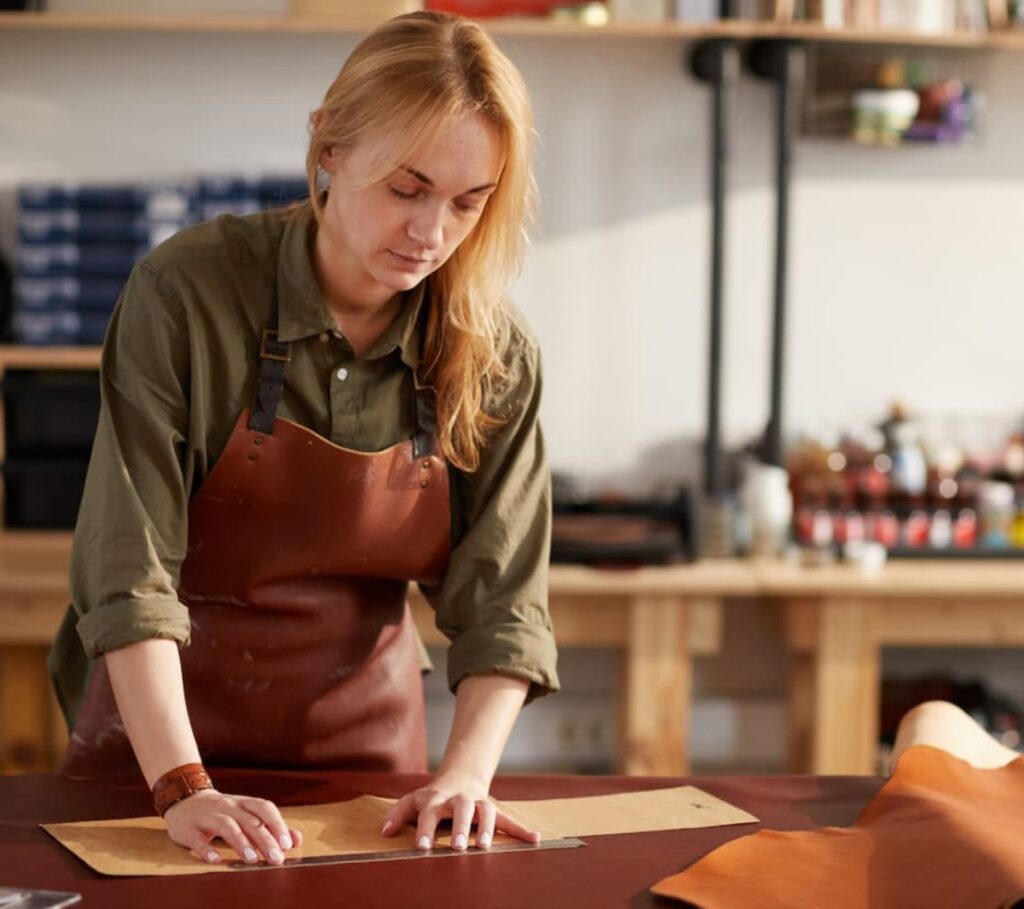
x,y
462,819
507,824
201,848
400,814
260,837
226,827
269,815
486,815
296,836
426,826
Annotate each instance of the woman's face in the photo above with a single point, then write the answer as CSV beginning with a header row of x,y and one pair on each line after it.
x,y
387,236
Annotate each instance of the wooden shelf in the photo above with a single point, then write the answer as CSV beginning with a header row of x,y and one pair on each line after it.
x,y
532,28
1008,40
934,579
38,559
527,27
15,356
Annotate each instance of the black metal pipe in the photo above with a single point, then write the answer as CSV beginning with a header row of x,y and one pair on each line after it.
x,y
713,479
780,61
783,160
716,62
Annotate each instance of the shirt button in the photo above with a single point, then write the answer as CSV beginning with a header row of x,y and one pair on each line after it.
x,y
342,374
324,337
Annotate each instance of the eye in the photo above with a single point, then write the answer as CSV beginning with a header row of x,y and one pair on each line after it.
x,y
467,208
395,191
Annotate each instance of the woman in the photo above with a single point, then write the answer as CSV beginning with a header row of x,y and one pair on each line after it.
x,y
302,412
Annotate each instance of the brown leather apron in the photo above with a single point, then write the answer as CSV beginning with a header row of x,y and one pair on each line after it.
x,y
303,651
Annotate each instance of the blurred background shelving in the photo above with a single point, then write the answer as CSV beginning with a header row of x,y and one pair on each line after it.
x,y
905,269
518,27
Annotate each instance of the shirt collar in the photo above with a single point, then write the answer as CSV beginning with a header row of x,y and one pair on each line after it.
x,y
302,306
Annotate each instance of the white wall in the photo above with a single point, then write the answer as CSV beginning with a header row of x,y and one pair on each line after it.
x,y
907,265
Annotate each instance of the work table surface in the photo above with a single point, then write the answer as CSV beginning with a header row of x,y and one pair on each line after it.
x,y
38,563
608,871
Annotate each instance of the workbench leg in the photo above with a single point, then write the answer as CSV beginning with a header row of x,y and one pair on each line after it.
x,y
655,711
25,700
846,689
800,712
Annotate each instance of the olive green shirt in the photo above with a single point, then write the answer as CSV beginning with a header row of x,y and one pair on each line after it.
x,y
179,364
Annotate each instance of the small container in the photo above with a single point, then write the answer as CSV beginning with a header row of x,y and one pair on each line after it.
x,y
915,529
882,115
822,529
766,500
849,527
883,527
996,513
940,535
77,294
60,327
866,555
638,10
965,529
1017,537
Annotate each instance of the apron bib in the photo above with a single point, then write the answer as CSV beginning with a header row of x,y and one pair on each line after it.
x,y
303,652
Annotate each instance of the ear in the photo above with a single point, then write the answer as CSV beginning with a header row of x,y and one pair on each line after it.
x,y
328,159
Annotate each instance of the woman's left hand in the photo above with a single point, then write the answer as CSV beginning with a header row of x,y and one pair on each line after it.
x,y
461,799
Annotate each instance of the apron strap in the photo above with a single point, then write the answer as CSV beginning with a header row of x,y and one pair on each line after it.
x,y
274,357
424,405
424,419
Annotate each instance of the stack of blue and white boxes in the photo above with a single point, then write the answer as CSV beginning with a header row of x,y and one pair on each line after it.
x,y
77,244
246,195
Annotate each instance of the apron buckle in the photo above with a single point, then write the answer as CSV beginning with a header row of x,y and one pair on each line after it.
x,y
272,349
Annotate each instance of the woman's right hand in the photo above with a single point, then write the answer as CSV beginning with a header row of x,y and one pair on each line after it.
x,y
252,827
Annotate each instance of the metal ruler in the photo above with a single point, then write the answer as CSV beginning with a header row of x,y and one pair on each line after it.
x,y
439,852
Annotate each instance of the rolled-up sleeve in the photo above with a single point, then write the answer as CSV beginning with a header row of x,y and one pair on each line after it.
x,y
131,533
493,602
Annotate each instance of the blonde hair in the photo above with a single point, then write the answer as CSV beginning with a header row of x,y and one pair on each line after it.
x,y
402,85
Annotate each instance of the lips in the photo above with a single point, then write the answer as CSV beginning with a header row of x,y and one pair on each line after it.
x,y
409,260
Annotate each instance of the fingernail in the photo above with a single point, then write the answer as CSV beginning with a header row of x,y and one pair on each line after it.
x,y
484,840
250,855
424,842
286,841
386,827
460,841
275,855
212,856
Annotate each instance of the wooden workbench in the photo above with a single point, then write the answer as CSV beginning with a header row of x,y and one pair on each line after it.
x,y
836,620
609,871
658,618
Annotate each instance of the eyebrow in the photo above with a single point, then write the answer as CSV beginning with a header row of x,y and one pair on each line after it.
x,y
423,178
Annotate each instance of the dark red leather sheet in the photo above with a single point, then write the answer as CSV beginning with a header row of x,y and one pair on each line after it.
x,y
609,871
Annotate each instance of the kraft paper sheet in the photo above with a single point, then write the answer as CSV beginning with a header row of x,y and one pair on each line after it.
x,y
140,846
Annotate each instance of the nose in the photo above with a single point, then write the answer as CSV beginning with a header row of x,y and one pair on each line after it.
x,y
426,227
